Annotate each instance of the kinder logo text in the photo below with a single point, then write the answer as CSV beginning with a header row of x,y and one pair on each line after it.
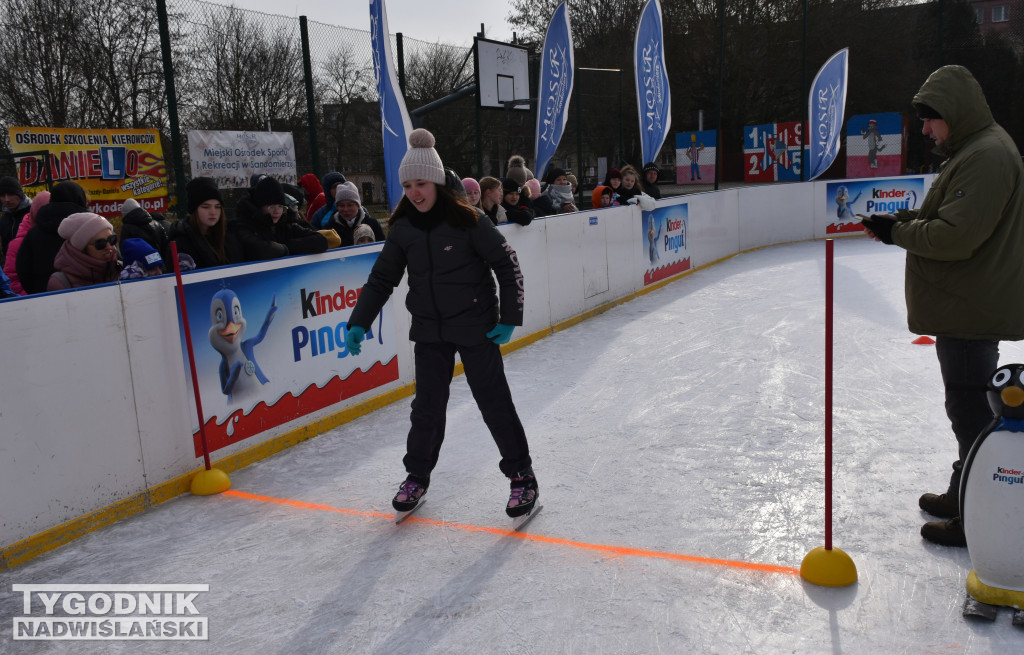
x,y
1008,475
889,200
161,612
321,340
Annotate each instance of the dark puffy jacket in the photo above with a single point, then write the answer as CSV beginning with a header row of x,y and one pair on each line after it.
x,y
139,224
259,238
965,245
191,243
452,295
42,243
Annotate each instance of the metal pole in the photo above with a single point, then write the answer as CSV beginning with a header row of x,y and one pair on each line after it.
x,y
172,107
622,148
579,145
400,44
721,83
307,69
807,106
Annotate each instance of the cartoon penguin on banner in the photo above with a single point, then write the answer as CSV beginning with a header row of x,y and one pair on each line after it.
x,y
240,375
992,496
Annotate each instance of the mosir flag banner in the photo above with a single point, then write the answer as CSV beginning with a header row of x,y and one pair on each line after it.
x,y
270,345
653,98
557,66
111,165
232,158
395,124
826,104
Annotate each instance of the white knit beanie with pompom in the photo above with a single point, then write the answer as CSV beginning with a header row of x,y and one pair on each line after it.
x,y
421,161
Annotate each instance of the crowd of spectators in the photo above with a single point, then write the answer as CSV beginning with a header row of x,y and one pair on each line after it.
x,y
52,241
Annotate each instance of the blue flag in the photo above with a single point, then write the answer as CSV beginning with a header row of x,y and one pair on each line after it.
x,y
394,117
653,97
557,66
826,105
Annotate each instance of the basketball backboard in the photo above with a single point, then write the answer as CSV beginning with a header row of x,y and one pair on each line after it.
x,y
502,74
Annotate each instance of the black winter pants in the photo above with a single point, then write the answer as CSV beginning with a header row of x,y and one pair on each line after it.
x,y
485,373
966,365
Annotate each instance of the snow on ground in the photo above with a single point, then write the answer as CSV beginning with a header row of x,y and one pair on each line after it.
x,y
679,443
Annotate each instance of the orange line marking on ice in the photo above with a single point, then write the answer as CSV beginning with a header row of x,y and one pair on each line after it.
x,y
612,551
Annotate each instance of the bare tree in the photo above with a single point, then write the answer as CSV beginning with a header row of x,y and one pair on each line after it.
x,y
345,84
42,81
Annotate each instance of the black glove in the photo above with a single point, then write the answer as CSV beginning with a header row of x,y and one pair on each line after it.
x,y
881,226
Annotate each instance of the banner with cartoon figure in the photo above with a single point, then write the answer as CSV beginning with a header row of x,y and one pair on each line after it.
x,y
111,165
773,152
696,153
666,242
844,200
875,145
270,346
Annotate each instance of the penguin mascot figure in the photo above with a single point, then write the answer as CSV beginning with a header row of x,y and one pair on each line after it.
x,y
992,497
240,375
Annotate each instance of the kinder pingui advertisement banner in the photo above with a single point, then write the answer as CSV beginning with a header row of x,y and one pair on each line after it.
x,y
111,165
666,242
844,200
773,152
270,346
696,154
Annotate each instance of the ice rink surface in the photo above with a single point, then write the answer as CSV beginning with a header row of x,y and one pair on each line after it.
x,y
678,440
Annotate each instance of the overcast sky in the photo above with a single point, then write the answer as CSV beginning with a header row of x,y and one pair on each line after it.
x,y
450,21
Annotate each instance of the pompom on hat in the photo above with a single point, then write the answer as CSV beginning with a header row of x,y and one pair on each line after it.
x,y
79,229
421,161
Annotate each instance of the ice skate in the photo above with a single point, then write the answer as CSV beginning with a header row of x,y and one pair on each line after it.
x,y
408,499
523,494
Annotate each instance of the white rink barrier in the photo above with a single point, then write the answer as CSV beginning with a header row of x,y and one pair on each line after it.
x,y
96,405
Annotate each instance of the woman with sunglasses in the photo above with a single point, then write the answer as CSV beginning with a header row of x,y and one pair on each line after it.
x,y
89,254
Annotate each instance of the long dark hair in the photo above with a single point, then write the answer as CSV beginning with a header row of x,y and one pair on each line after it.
x,y
460,214
215,236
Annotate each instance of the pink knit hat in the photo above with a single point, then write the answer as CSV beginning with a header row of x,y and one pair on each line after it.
x,y
79,229
469,184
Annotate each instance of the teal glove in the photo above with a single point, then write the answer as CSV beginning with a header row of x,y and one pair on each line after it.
x,y
353,337
501,333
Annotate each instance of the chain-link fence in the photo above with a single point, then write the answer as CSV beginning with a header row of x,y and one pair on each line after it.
x,y
731,65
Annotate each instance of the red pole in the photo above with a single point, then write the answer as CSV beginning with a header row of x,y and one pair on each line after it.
x,y
829,247
191,355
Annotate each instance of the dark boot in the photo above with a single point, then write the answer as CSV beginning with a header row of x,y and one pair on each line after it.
x,y
944,506
945,533
409,493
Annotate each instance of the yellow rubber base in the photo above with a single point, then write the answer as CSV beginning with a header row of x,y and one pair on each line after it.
x,y
209,482
828,568
993,595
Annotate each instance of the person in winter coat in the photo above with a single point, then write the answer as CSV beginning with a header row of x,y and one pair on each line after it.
x,y
203,234
11,257
89,254
557,196
314,193
490,200
603,196
965,263
329,182
14,206
350,214
264,231
42,242
649,184
630,185
517,210
137,223
472,188
449,251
